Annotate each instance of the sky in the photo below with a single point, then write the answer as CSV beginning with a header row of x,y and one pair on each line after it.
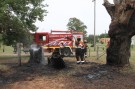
x,y
60,11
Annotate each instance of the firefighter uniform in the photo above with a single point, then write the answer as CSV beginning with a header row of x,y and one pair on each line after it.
x,y
62,46
79,52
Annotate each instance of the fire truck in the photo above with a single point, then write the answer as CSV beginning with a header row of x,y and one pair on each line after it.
x,y
51,41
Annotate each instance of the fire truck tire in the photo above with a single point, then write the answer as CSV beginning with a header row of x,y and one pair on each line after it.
x,y
67,52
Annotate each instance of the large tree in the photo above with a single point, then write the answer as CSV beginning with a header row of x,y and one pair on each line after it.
x,y
77,25
121,29
17,18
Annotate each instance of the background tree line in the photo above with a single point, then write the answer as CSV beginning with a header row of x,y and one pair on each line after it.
x,y
77,25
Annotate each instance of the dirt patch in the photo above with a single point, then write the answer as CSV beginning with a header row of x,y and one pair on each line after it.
x,y
92,75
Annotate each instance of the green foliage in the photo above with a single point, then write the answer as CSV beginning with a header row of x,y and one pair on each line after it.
x,y
76,25
104,35
90,39
17,18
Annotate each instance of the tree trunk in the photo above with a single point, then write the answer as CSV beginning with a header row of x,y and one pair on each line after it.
x,y
121,30
37,55
19,53
118,52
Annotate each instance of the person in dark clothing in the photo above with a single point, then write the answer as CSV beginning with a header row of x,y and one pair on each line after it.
x,y
79,51
56,60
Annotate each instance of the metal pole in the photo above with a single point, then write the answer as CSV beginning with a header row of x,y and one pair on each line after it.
x,y
105,37
94,24
97,52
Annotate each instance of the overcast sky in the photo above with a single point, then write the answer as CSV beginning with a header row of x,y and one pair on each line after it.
x,y
59,12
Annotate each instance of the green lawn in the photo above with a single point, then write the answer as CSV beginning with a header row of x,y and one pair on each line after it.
x,y
9,54
6,49
92,53
102,52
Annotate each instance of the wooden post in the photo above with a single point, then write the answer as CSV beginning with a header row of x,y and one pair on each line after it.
x,y
97,52
3,48
19,53
89,51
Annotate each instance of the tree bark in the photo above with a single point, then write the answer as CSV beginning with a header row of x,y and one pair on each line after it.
x,y
120,31
37,55
19,53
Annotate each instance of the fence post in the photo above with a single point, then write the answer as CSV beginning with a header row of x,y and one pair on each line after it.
x,y
19,53
97,52
89,52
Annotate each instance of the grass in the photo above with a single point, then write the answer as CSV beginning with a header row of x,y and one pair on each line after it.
x,y
4,68
6,49
102,53
8,57
69,77
8,54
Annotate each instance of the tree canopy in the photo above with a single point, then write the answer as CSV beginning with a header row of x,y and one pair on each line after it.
x,y
17,18
77,25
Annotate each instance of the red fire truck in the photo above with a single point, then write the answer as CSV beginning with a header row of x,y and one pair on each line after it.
x,y
52,40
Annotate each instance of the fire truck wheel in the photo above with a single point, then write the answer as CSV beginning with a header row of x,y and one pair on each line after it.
x,y
67,52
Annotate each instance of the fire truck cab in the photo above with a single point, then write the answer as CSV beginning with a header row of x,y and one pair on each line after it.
x,y
41,38
51,41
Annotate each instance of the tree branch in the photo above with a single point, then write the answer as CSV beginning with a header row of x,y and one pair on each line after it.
x,y
120,11
110,8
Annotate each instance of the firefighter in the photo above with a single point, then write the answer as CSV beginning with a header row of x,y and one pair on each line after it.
x,y
79,53
62,46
